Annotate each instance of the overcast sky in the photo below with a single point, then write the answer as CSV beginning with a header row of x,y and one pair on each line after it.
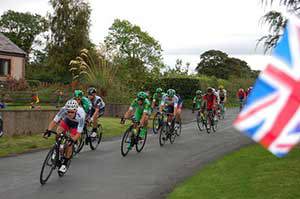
x,y
185,29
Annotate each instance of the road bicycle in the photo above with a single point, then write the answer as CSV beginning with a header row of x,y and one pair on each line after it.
x,y
168,130
55,157
132,137
157,123
86,139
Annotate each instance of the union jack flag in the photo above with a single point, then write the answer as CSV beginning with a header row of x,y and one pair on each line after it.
x,y
271,115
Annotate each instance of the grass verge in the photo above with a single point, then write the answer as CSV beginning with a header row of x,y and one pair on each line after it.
x,y
251,172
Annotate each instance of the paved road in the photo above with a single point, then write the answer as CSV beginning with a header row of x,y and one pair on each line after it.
x,y
105,174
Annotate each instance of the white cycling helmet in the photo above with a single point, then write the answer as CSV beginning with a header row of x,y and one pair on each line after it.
x,y
71,105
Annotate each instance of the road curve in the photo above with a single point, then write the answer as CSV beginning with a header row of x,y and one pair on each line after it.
x,y
106,174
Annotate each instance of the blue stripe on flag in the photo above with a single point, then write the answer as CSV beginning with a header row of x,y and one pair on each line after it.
x,y
261,89
296,130
280,155
282,50
251,131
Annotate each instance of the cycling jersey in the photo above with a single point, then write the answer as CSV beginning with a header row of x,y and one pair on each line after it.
x,y
197,101
222,94
74,123
169,101
97,103
86,104
140,109
157,98
241,95
210,101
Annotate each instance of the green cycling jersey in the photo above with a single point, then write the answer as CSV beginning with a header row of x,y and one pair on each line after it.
x,y
86,104
140,109
197,101
157,98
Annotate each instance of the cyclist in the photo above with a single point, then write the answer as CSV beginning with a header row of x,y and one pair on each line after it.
x,y
142,108
70,118
172,104
82,101
249,91
197,101
157,97
97,110
241,95
223,97
209,102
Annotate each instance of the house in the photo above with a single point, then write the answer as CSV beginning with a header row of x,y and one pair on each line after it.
x,y
12,60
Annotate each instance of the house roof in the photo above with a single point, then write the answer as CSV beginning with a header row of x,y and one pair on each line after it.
x,y
8,47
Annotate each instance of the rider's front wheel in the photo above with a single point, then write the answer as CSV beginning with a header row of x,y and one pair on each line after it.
x,y
48,166
215,126
140,142
80,143
200,122
178,129
156,124
126,142
163,134
95,141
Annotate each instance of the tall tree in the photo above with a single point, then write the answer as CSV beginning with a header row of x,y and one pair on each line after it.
x,y
135,49
23,28
69,24
219,64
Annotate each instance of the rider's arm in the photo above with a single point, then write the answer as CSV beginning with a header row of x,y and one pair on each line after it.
x,y
57,118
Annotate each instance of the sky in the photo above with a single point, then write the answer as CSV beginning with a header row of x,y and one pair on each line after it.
x,y
185,29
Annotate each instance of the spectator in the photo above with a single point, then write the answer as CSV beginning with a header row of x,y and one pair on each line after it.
x,y
35,100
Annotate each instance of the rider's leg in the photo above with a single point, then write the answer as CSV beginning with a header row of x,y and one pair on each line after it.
x,y
144,123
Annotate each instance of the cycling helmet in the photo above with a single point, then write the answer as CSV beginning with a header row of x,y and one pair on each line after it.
x,y
159,90
198,92
78,93
71,105
91,91
209,89
241,90
171,92
142,95
221,87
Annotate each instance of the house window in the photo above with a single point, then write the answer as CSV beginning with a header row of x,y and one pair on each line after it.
x,y
4,67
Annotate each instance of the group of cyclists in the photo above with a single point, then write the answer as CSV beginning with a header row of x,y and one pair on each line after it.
x,y
73,116
81,110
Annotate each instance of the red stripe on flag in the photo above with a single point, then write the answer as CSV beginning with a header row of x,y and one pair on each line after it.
x,y
279,75
240,118
288,146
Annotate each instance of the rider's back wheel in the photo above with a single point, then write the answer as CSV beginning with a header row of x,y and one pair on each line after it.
x,y
126,142
140,143
94,142
172,136
155,124
163,134
48,166
178,130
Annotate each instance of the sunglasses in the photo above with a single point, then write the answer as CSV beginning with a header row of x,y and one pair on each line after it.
x,y
77,98
71,112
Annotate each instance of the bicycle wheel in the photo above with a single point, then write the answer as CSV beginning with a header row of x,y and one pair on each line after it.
x,y
200,123
140,143
163,134
215,125
172,136
48,166
80,143
156,124
126,143
94,142
178,130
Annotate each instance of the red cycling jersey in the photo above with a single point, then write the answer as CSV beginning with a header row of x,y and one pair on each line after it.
x,y
241,94
211,100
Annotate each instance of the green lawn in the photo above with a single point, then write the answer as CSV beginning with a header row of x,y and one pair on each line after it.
x,y
20,144
251,172
42,107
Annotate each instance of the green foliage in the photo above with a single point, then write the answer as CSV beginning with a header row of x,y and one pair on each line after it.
x,y
22,28
135,50
69,24
219,64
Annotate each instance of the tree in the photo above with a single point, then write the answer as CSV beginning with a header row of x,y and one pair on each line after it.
x,y
23,28
69,24
136,51
277,22
219,64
